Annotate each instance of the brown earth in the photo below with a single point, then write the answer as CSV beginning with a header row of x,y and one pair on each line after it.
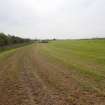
x,y
28,78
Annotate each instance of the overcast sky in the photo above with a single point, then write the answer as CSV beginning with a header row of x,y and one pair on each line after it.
x,y
53,18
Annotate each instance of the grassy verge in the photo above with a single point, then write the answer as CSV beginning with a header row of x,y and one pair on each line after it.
x,y
9,50
6,54
5,48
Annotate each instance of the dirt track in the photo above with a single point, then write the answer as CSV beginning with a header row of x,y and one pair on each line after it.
x,y
27,78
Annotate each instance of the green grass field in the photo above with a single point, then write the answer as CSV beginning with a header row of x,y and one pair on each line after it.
x,y
85,59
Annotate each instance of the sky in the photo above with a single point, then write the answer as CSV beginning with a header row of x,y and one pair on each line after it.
x,y
53,18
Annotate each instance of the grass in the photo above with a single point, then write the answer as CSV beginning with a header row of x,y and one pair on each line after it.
x,y
10,50
84,58
9,47
6,54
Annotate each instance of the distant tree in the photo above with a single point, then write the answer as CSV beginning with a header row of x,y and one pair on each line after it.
x,y
44,41
1,42
3,39
54,39
8,39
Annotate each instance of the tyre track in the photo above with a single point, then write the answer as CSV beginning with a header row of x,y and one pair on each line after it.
x,y
38,92
11,90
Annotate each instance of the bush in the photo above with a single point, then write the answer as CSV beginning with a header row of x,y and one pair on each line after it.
x,y
8,40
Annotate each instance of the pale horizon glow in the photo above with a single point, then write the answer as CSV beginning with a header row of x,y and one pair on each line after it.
x,y
68,19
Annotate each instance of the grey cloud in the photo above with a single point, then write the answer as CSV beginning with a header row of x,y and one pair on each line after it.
x,y
53,18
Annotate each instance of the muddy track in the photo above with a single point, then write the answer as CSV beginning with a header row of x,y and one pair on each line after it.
x,y
27,78
37,90
21,85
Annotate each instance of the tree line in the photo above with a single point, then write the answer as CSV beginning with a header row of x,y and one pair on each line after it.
x,y
6,40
